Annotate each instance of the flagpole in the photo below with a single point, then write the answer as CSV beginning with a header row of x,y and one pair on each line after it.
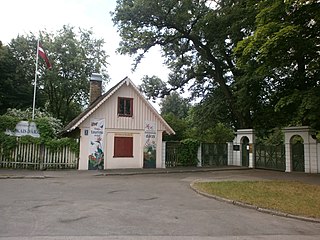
x,y
35,82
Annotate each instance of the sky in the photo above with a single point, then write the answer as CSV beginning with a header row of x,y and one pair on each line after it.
x,y
25,16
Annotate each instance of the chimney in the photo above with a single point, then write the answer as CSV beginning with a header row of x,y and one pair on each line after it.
x,y
95,86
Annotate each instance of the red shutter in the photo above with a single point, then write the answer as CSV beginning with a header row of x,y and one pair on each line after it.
x,y
123,146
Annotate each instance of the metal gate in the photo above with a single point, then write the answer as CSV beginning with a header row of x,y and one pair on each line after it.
x,y
297,151
245,152
270,157
213,154
172,149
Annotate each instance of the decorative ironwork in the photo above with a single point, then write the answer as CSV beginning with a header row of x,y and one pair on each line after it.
x,y
297,151
172,149
245,152
214,154
270,157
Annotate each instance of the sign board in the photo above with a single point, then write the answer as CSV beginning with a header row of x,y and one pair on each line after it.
x,y
24,128
236,147
96,144
250,148
150,145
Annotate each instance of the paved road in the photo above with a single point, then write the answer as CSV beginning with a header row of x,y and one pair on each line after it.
x,y
80,205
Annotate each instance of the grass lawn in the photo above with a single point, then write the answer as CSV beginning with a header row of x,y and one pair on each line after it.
x,y
286,196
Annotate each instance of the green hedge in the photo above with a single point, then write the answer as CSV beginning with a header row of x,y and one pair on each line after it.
x,y
188,151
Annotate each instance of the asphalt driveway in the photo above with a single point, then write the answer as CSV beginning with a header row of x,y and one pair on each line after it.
x,y
87,205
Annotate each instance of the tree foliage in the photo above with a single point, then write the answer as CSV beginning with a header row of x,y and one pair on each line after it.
x,y
63,91
180,126
16,84
193,121
253,63
284,52
151,86
175,110
75,55
175,104
197,40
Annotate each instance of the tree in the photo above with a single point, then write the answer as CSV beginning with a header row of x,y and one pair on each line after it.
x,y
180,126
174,109
261,57
16,89
151,86
175,104
284,52
195,122
75,56
205,126
210,111
197,40
64,90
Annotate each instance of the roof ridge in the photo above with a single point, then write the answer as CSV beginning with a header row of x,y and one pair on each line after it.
x,y
101,99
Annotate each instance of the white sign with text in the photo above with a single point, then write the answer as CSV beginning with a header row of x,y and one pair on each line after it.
x,y
24,128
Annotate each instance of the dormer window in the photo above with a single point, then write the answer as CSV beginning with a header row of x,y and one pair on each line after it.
x,y
125,107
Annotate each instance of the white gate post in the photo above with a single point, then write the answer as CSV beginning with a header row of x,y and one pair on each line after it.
x,y
199,156
310,148
163,162
230,153
288,156
251,156
250,134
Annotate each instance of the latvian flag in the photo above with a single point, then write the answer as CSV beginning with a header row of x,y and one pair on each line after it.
x,y
44,56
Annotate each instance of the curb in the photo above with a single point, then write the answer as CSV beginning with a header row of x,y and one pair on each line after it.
x,y
22,177
167,171
120,172
250,206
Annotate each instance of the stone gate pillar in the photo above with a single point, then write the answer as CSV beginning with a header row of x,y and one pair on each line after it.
x,y
241,136
310,147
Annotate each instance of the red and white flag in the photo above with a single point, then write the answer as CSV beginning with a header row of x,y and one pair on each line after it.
x,y
44,56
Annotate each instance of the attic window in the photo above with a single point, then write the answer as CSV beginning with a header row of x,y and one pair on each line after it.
x,y
125,107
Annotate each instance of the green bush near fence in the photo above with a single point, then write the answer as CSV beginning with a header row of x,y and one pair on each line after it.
x,y
7,143
188,151
48,127
48,135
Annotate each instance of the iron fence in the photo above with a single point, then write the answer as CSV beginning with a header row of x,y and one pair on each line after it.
x,y
214,154
270,157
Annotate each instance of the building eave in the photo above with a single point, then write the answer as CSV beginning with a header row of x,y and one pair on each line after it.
x,y
96,104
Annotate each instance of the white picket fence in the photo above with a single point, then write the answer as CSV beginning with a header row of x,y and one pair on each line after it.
x,y
38,156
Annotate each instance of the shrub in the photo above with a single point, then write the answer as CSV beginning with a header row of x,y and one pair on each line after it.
x,y
188,152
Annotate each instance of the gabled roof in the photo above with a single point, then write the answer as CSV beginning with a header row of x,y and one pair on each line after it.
x,y
100,100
